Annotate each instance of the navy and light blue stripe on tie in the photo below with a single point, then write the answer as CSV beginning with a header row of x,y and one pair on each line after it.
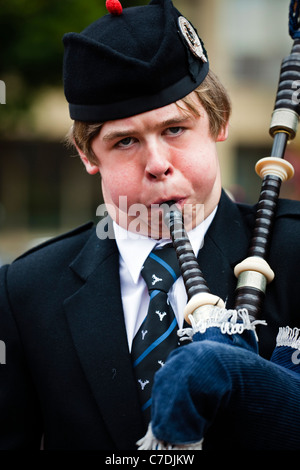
x,y
157,336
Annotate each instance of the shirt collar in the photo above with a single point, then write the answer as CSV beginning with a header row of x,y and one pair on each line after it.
x,y
134,249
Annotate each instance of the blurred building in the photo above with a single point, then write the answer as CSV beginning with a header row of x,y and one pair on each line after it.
x,y
44,189
247,41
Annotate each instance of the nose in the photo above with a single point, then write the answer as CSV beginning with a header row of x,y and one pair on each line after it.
x,y
158,164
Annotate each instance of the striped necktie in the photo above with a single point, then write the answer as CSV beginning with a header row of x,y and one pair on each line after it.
x,y
157,336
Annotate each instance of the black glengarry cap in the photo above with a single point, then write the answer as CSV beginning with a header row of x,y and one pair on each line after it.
x,y
132,61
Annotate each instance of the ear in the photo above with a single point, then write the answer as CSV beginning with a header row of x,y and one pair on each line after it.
x,y
223,134
91,168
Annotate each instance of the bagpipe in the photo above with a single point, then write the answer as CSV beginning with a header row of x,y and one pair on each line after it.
x,y
217,392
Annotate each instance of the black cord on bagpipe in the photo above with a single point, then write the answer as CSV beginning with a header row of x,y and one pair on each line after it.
x,y
253,274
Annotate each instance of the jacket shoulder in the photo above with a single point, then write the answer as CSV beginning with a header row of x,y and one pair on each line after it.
x,y
285,208
72,238
288,207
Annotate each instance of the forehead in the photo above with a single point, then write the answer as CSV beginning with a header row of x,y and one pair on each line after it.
x,y
167,115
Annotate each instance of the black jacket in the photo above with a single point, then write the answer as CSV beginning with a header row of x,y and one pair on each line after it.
x,y
68,371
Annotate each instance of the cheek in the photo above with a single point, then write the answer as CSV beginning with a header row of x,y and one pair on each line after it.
x,y
202,168
119,183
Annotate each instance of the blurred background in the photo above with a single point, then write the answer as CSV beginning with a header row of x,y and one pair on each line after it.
x,y
44,189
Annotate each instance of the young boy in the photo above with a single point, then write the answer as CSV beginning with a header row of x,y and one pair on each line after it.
x,y
147,115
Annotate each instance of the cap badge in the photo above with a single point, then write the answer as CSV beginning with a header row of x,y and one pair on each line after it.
x,y
191,37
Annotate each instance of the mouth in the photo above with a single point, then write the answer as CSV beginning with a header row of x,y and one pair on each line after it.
x,y
178,201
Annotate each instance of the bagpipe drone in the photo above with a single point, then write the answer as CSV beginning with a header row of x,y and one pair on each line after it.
x,y
217,392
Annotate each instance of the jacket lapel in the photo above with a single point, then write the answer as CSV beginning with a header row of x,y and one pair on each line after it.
x,y
96,320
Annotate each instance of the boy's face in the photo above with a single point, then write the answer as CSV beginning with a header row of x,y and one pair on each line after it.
x,y
161,155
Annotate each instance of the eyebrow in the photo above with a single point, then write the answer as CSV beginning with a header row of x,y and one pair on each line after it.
x,y
119,134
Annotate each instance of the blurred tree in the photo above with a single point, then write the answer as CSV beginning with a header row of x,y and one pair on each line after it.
x,y
31,48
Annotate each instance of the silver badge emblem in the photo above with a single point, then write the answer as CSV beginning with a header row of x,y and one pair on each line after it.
x,y
191,37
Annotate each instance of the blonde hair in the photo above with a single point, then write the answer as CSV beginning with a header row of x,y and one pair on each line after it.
x,y
211,93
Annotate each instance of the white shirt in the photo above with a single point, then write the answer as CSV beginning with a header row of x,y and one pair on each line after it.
x,y
133,253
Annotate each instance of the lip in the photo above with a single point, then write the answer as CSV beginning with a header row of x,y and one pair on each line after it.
x,y
178,200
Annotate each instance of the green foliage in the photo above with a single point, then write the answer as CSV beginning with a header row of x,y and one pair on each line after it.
x,y
31,48
31,34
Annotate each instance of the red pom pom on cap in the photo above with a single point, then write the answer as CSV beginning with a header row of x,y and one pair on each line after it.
x,y
114,7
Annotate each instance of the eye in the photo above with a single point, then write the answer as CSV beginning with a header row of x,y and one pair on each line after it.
x,y
126,142
174,130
